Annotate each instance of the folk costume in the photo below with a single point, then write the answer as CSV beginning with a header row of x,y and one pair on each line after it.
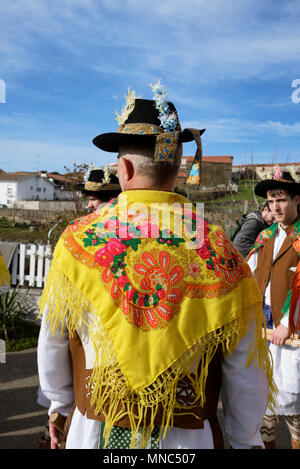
x,y
155,313
4,276
274,259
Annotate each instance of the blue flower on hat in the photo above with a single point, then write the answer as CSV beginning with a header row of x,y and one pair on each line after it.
x,y
168,120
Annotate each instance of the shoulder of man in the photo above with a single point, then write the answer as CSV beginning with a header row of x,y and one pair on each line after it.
x,y
267,233
256,215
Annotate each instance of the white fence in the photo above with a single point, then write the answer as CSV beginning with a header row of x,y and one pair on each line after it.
x,y
30,265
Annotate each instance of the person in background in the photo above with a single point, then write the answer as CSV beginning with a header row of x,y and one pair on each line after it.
x,y
252,224
100,186
274,259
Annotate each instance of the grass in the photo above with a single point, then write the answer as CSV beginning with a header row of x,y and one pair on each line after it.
x,y
25,335
34,233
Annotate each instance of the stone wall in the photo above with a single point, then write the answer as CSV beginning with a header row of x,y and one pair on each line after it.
x,y
47,205
212,175
30,216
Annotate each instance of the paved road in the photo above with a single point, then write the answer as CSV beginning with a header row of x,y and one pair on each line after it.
x,y
22,420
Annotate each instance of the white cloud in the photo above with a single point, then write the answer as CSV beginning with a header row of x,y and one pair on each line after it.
x,y
198,48
212,41
241,131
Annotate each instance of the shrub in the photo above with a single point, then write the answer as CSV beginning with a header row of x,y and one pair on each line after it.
x,y
15,326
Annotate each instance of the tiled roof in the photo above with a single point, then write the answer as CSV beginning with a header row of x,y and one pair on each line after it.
x,y
16,176
58,177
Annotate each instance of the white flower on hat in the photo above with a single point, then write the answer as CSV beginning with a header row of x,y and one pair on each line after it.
x,y
90,168
106,178
128,108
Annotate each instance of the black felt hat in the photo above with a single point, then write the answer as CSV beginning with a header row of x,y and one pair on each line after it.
x,y
97,185
281,180
141,125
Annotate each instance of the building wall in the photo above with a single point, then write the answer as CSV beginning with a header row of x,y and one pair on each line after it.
x,y
62,194
8,193
31,188
35,188
261,171
212,175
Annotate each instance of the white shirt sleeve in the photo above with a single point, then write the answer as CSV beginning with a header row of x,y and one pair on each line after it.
x,y
244,397
252,262
285,319
54,366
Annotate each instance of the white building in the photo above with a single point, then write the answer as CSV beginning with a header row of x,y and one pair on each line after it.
x,y
24,186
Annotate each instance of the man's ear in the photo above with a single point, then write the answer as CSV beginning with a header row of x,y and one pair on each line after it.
x,y
297,199
128,169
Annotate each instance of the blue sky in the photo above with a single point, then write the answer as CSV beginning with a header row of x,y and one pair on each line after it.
x,y
228,66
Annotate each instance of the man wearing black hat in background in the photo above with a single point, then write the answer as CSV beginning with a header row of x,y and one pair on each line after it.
x,y
274,261
100,187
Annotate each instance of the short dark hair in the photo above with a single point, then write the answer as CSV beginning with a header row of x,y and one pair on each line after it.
x,y
279,191
104,196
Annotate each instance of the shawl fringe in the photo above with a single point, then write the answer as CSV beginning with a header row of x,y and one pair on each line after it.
x,y
111,393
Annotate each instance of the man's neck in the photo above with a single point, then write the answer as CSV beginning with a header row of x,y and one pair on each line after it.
x,y
289,223
145,184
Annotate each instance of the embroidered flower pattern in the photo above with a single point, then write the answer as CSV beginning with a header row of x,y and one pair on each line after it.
x,y
150,292
265,234
150,306
194,270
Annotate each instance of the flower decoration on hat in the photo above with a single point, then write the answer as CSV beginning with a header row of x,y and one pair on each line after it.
x,y
106,178
293,173
128,107
90,168
167,118
278,172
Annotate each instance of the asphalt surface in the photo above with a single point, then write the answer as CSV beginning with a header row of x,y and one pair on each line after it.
x,y
22,420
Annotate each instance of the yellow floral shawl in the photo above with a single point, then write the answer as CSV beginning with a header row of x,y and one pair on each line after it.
x,y
159,306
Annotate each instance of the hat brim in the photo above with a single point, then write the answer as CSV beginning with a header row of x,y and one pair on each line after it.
x,y
101,193
266,185
112,141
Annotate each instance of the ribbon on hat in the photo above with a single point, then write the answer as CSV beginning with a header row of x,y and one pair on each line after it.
x,y
97,186
166,146
194,176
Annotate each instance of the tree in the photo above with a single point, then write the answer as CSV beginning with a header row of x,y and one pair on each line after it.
x,y
74,177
